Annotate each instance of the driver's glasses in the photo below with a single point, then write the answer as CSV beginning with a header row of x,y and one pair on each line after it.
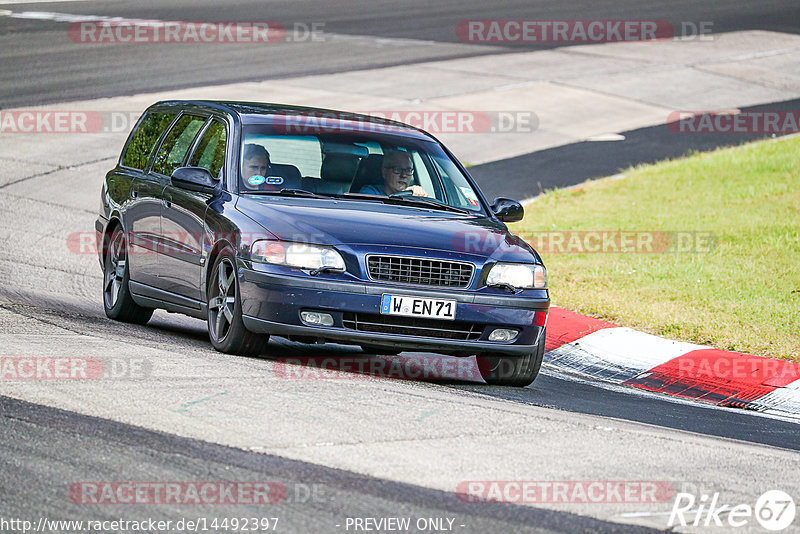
x,y
402,170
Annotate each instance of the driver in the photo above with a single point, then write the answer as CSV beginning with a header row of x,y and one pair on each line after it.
x,y
397,172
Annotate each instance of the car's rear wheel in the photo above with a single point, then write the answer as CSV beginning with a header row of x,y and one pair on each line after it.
x,y
518,371
117,300
225,327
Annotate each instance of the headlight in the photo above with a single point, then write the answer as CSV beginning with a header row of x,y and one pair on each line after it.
x,y
300,255
519,275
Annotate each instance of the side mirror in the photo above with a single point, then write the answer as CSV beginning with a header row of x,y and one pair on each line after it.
x,y
507,210
194,179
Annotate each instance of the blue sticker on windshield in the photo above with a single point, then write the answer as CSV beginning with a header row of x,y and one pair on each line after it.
x,y
275,180
256,180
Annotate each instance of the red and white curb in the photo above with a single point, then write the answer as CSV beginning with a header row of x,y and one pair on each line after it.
x,y
620,355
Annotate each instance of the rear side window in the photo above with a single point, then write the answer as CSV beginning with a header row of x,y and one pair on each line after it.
x,y
144,139
177,143
210,151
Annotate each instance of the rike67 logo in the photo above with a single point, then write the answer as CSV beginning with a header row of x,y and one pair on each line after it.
x,y
774,510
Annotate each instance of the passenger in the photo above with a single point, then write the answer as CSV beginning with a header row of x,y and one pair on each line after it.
x,y
256,161
397,173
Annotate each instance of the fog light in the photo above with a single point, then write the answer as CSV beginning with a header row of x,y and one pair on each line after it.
x,y
317,318
503,334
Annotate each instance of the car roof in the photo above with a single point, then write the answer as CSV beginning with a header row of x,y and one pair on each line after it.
x,y
308,117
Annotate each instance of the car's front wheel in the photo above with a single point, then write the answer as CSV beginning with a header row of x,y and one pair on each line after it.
x,y
225,327
519,371
117,300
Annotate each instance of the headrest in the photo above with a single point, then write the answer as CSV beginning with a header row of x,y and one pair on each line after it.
x,y
339,167
278,176
290,172
369,171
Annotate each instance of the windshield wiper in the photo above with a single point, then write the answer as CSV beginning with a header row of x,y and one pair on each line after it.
x,y
423,201
290,192
407,199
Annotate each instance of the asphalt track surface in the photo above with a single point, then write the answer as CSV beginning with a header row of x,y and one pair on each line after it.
x,y
34,435
45,449
568,165
42,65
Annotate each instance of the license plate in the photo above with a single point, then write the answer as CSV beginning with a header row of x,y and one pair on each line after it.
x,y
418,307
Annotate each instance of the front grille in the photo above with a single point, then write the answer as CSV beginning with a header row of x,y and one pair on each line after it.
x,y
412,326
420,271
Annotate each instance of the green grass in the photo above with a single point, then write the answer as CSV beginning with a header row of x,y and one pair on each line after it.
x,y
742,295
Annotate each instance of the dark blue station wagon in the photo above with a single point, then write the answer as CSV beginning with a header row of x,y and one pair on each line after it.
x,y
317,226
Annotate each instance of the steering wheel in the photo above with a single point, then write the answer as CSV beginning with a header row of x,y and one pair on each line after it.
x,y
403,193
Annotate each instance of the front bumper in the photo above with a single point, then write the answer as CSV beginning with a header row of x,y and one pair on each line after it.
x,y
272,302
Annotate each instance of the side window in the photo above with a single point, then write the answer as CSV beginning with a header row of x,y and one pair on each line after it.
x,y
458,190
175,146
210,151
144,139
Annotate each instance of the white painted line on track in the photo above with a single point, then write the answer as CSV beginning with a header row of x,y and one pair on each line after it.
x,y
606,137
67,17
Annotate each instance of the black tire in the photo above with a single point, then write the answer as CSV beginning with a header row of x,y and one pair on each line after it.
x,y
225,327
117,300
517,371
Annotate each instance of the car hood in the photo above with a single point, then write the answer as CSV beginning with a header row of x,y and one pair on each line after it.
x,y
356,223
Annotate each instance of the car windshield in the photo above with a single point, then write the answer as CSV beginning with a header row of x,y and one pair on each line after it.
x,y
353,165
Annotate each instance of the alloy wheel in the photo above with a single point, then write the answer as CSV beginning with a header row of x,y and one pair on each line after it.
x,y
115,269
223,300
